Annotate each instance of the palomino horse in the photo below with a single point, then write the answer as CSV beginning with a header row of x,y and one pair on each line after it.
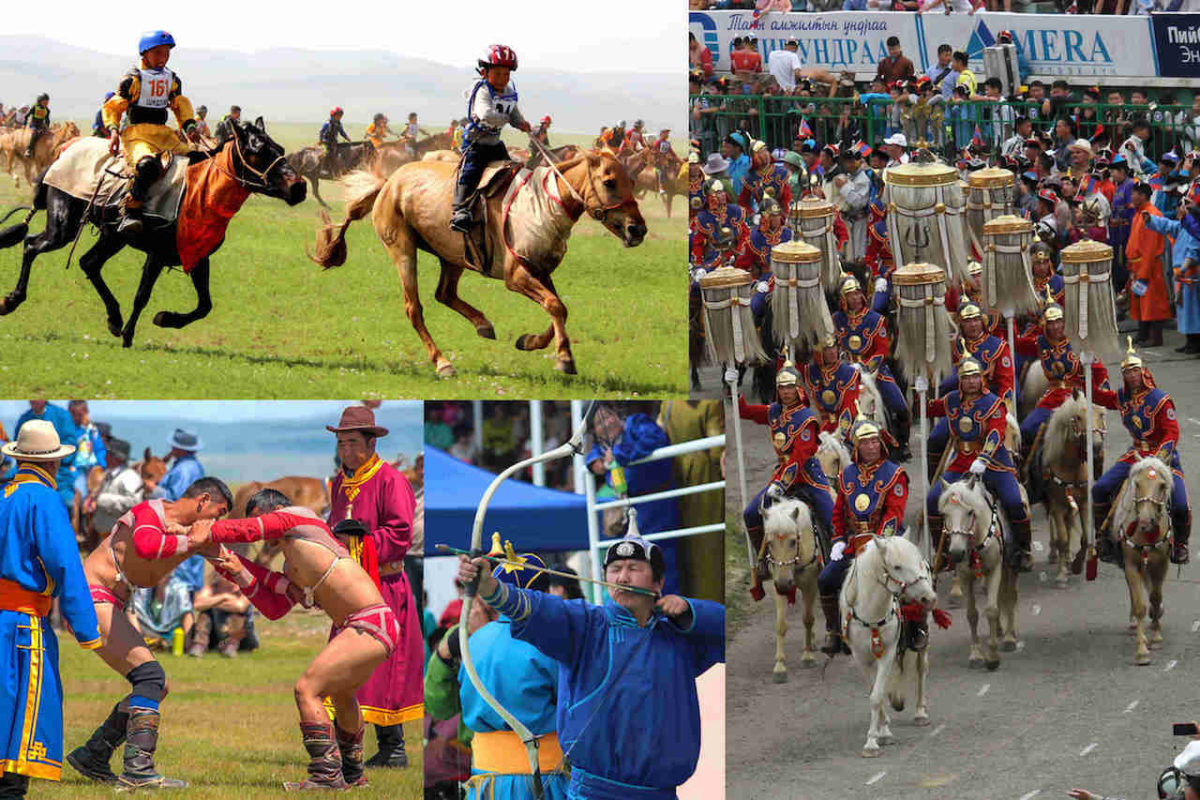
x,y
975,546
13,144
528,233
247,162
833,455
883,572
1141,521
1033,386
1064,463
790,548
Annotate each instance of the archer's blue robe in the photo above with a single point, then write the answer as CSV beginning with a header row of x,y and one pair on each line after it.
x,y
37,554
524,681
628,712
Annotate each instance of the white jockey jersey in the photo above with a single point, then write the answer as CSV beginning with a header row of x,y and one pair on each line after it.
x,y
412,129
156,87
489,111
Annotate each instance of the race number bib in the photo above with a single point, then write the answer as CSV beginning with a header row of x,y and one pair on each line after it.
x,y
156,88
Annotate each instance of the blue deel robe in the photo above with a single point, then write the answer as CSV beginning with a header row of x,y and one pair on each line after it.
x,y
1187,245
37,553
525,681
628,712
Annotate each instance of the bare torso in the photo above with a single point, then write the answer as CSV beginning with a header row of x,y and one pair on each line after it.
x,y
346,589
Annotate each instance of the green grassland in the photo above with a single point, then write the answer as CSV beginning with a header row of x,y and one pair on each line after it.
x,y
229,726
281,327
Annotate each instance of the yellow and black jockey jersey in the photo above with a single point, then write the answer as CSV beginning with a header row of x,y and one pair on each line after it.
x,y
147,94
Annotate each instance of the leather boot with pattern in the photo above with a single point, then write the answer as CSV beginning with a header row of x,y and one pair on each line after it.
x,y
13,785
351,747
91,758
324,762
141,739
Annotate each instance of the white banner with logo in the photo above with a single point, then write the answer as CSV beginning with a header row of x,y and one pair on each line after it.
x,y
1076,47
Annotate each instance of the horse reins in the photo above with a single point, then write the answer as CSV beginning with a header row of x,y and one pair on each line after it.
x,y
599,212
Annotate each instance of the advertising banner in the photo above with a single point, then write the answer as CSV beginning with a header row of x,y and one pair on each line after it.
x,y
1177,42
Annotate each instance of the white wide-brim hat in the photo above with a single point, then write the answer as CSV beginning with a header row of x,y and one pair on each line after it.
x,y
37,441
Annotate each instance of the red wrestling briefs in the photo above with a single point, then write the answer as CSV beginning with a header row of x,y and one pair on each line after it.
x,y
378,621
102,594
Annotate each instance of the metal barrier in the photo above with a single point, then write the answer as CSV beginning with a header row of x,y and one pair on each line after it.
x,y
598,545
949,127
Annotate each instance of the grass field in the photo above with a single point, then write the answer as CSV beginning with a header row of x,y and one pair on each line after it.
x,y
283,328
229,726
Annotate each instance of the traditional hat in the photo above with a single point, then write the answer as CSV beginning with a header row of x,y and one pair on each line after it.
x,y
1082,144
974,268
969,311
693,158
1052,310
787,375
969,366
722,238
37,441
716,186
638,549
119,448
184,439
864,428
358,418
793,158
850,284
771,206
1132,359
1049,196
714,164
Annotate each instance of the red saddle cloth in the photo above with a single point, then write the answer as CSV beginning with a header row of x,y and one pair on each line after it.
x,y
210,200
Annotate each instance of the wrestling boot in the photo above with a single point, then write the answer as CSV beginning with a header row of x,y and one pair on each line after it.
x,y
324,762
91,758
1022,557
833,626
1106,549
390,739
141,739
351,747
13,785
461,220
1181,526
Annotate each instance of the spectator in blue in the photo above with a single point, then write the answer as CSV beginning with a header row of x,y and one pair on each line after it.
x,y
942,75
67,434
185,471
89,449
617,442
735,149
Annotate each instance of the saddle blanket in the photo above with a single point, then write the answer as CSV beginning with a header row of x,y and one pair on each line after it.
x,y
82,166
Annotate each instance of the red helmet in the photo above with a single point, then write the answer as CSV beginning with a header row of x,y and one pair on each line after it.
x,y
499,55
335,111
546,120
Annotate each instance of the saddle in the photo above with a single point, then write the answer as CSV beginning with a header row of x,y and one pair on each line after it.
x,y
496,179
88,172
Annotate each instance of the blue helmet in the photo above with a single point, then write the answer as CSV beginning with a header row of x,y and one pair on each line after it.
x,y
154,39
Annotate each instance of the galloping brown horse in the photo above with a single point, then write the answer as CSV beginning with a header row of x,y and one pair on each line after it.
x,y
528,230
13,144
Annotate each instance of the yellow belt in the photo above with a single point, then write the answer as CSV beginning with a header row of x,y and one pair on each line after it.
x,y
503,753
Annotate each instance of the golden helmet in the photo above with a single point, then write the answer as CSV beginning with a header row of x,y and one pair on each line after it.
x,y
1052,310
864,428
970,311
693,157
969,366
828,340
850,284
771,207
1132,359
787,375
717,186
974,268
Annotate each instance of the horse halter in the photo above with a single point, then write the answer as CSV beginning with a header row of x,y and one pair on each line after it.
x,y
599,211
261,175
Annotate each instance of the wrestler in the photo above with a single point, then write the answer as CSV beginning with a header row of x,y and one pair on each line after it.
x,y
317,570
147,543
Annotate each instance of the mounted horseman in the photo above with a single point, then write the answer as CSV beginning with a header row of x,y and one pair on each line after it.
x,y
37,120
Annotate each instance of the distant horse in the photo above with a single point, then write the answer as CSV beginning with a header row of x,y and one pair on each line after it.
x,y
1064,465
791,551
1141,522
833,455
974,531
249,162
309,162
527,228
14,144
885,571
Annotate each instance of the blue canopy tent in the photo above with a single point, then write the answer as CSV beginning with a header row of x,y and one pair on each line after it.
x,y
534,518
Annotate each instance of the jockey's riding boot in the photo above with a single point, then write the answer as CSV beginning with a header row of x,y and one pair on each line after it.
x,y
461,220
833,625
146,173
1022,560
756,537
141,739
13,785
1181,527
324,762
390,739
91,758
131,218
903,428
351,747
1106,549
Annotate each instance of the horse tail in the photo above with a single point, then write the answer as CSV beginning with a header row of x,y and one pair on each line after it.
x,y
362,188
14,234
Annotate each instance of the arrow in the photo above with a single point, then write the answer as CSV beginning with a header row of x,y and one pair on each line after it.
x,y
445,548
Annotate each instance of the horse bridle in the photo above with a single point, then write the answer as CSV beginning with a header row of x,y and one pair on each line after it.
x,y
261,175
1127,540
600,212
969,532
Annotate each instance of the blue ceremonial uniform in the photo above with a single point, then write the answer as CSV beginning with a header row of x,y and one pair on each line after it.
x,y
1186,247
525,681
884,487
755,185
1151,420
628,714
183,473
60,418
641,437
864,337
795,436
38,560
706,224
992,352
835,394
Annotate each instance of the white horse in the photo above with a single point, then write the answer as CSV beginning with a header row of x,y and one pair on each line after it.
x,y
1141,522
885,571
870,401
790,548
1033,387
974,532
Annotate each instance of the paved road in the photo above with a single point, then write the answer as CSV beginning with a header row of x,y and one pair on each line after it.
x,y
1068,709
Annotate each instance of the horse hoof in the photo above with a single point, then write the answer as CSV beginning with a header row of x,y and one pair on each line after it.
x,y
445,370
566,367
779,677
886,738
921,722
992,665
1008,647
871,752
163,319
975,663
808,662
1061,583
897,704
1052,558
522,342
485,331
1156,644
1141,660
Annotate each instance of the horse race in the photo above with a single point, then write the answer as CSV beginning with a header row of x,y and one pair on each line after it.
x,y
957,378
161,215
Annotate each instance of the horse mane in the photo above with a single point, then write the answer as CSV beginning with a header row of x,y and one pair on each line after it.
x,y
796,517
970,496
785,508
1126,510
1058,431
830,442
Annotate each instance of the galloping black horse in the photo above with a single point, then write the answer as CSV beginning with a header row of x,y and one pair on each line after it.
x,y
255,163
